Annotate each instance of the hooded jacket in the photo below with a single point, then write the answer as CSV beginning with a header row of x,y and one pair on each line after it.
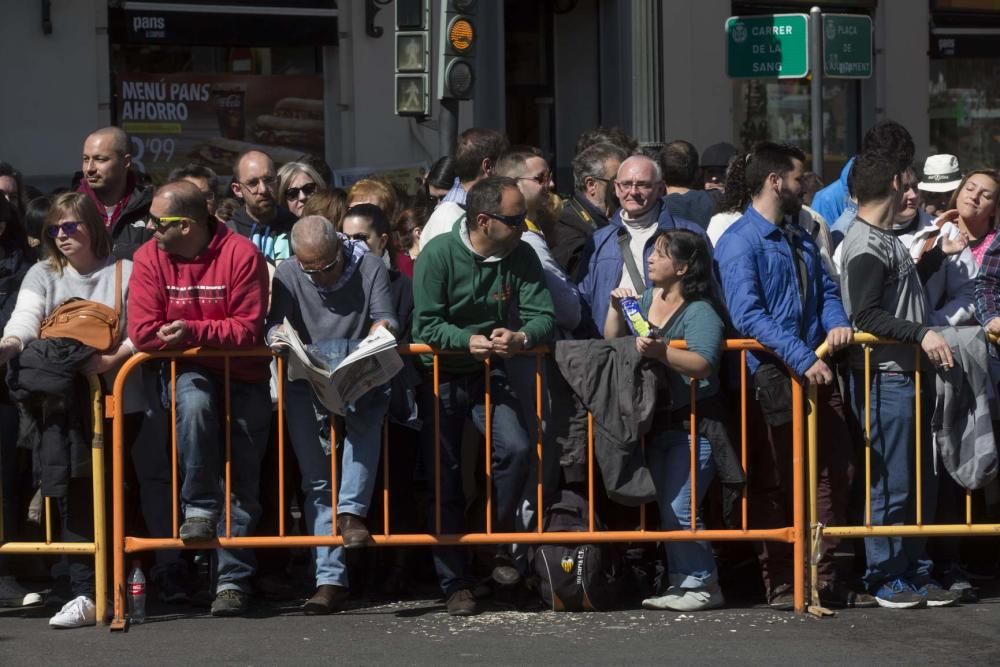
x,y
602,265
272,239
457,293
221,294
831,201
128,225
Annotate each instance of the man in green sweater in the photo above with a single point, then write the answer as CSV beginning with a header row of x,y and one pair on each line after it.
x,y
466,286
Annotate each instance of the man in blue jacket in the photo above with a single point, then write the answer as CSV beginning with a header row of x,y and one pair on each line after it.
x,y
779,293
639,186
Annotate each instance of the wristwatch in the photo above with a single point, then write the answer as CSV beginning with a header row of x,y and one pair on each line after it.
x,y
527,340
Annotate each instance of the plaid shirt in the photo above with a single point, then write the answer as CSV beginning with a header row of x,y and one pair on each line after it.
x,y
988,284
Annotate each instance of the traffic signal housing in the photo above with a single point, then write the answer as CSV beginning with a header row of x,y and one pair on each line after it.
x,y
458,37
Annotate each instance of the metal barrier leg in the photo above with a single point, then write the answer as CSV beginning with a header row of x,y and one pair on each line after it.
x,y
100,531
798,497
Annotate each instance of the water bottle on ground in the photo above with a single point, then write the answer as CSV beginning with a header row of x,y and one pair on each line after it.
x,y
137,594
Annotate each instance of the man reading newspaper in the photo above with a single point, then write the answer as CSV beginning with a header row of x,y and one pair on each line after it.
x,y
333,292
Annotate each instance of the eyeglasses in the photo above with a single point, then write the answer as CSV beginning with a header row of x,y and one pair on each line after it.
x,y
159,224
542,179
641,186
328,267
509,220
252,184
293,193
67,228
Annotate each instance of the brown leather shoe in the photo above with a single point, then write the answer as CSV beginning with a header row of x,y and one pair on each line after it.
x,y
462,603
327,599
353,530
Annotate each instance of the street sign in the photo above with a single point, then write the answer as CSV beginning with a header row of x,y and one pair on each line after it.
x,y
767,46
847,46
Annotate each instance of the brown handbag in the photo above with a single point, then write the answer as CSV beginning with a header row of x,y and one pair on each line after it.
x,y
88,322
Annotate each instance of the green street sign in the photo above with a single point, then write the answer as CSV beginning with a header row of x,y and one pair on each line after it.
x,y
847,46
767,46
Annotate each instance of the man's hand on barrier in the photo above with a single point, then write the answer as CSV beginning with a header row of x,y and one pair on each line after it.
x,y
506,343
819,373
838,338
277,345
174,333
480,347
993,326
937,350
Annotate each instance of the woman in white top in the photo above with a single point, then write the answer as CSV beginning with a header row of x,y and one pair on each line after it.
x,y
79,265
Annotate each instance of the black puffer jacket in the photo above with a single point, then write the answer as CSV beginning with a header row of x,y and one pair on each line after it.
x,y
130,230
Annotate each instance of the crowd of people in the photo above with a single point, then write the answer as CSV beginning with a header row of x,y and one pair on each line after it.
x,y
652,245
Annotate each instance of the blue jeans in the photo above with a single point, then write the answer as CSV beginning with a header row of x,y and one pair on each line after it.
x,y
462,395
309,428
668,454
893,434
201,442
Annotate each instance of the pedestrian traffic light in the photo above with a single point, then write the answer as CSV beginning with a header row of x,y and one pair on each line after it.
x,y
456,71
413,95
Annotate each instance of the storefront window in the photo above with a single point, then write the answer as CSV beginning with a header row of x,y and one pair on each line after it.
x,y
779,110
206,105
965,110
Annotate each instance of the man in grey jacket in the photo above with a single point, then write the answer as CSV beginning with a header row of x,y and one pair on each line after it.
x,y
332,293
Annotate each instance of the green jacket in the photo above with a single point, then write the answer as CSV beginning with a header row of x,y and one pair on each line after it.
x,y
457,293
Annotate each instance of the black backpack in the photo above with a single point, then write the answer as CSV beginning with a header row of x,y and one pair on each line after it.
x,y
586,577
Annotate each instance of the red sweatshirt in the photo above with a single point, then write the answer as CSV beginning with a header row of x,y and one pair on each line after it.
x,y
221,294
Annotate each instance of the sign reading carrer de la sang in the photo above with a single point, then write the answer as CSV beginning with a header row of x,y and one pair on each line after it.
x,y
772,46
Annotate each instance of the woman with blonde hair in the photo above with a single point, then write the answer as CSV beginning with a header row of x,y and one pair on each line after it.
x,y
297,182
79,265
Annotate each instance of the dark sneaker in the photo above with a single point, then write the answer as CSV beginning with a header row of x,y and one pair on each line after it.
x,y
504,572
197,529
327,599
937,596
782,598
838,596
462,603
12,594
230,602
899,594
353,530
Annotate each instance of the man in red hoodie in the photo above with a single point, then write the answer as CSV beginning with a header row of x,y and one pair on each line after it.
x,y
198,284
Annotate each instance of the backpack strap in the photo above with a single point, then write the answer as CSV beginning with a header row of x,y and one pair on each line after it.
x,y
633,271
118,289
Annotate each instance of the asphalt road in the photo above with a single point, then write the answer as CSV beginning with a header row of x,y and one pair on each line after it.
x,y
419,632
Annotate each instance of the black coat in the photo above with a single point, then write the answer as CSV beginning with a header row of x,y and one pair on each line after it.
x,y
129,231
53,402
578,220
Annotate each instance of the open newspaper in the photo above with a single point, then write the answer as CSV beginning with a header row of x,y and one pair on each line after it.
x,y
375,361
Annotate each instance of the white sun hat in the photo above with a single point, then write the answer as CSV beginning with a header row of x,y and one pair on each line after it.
x,y
941,174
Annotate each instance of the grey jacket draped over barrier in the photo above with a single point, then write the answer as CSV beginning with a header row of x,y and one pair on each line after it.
x,y
962,421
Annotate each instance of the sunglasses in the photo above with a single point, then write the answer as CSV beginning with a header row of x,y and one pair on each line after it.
x,y
293,193
159,224
509,220
328,267
67,228
542,178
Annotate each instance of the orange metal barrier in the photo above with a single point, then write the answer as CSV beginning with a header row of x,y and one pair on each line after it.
x,y
917,529
97,548
122,544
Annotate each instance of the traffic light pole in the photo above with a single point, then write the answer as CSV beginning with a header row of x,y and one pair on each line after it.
x,y
816,87
448,126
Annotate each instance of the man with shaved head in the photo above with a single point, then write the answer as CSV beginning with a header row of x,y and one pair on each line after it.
x,y
109,181
261,219
333,294
200,285
616,255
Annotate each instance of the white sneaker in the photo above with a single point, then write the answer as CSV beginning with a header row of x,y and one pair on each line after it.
x,y
686,599
76,613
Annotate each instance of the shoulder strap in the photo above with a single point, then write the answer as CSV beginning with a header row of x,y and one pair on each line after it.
x,y
118,288
675,317
932,238
633,271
